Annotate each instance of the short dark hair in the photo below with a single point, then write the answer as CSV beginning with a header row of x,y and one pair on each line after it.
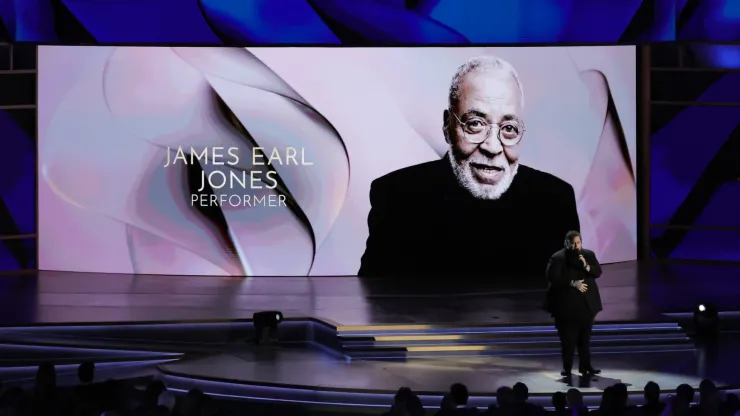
x,y
403,394
559,401
521,391
459,394
652,392
86,372
686,392
571,235
707,385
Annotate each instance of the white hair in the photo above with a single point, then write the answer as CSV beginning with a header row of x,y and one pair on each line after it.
x,y
482,64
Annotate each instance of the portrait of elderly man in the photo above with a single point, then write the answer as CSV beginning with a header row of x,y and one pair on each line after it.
x,y
477,211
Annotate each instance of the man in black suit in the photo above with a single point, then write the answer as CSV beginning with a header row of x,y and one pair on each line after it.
x,y
573,300
477,211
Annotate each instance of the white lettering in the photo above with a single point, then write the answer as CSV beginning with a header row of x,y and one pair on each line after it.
x,y
223,200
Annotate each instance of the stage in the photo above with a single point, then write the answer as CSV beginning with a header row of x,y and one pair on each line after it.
x,y
629,292
352,341
312,376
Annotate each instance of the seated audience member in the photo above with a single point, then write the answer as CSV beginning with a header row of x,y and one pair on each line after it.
x,y
505,398
190,404
85,393
166,400
86,372
447,406
460,396
520,393
160,411
676,406
559,403
414,406
575,402
209,407
46,399
653,406
151,394
121,398
46,381
607,406
731,405
686,392
709,399
504,403
406,403
621,398
17,400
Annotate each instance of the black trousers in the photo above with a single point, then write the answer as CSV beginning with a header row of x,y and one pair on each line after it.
x,y
575,335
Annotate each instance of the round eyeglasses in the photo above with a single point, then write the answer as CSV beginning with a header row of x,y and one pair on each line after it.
x,y
476,130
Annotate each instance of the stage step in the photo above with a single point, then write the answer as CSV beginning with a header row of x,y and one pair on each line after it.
x,y
438,329
408,341
534,340
22,355
524,333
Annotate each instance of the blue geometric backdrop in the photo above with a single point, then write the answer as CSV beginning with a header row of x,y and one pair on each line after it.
x,y
695,152
240,22
18,167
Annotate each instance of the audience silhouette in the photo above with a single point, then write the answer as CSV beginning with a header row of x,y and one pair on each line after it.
x,y
121,398
514,401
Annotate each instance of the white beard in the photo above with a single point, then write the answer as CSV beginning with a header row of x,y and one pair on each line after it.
x,y
465,177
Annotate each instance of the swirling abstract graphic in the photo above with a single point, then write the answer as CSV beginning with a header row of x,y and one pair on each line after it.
x,y
152,112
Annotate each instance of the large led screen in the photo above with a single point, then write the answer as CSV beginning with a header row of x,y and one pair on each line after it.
x,y
333,161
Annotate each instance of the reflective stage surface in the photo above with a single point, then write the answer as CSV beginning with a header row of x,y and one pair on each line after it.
x,y
628,291
308,368
484,334
303,368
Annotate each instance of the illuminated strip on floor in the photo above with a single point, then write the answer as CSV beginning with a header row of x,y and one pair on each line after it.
x,y
389,330
529,340
530,353
433,348
354,328
442,348
419,338
417,327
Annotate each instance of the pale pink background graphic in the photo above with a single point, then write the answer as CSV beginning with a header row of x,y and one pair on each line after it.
x,y
107,114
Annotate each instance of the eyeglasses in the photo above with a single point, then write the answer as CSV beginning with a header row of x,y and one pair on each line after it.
x,y
477,130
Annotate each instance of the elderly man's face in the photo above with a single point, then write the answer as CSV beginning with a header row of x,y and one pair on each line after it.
x,y
485,169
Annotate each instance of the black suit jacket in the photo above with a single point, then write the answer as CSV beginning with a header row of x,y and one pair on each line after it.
x,y
563,300
423,223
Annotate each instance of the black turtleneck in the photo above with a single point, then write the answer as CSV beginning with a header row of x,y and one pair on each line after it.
x,y
423,223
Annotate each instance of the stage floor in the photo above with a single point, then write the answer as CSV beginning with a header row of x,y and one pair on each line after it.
x,y
216,358
629,292
311,369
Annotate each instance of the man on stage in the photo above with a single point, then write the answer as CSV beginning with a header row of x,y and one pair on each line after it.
x,y
573,300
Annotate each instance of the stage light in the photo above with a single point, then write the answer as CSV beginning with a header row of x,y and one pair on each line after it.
x,y
266,326
706,320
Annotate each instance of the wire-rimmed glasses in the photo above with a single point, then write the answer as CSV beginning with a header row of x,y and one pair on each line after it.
x,y
477,130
